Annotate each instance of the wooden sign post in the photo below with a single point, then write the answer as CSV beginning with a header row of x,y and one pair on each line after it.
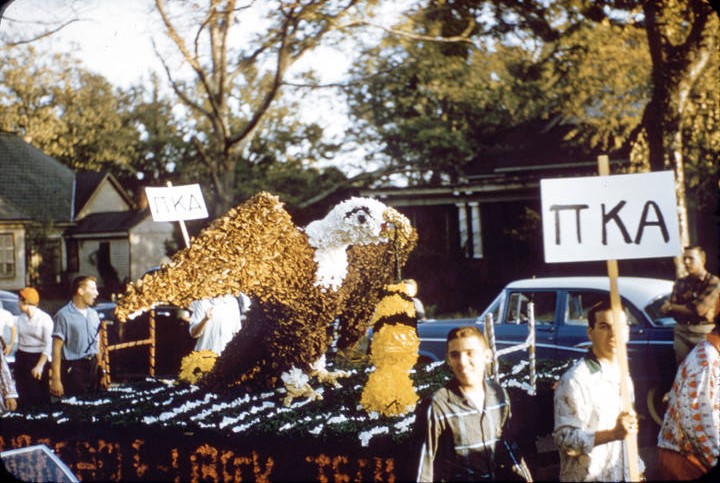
x,y
609,218
621,333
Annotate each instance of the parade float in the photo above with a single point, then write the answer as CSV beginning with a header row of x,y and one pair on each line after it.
x,y
284,401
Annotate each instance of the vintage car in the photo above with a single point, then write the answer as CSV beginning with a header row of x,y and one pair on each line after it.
x,y
560,314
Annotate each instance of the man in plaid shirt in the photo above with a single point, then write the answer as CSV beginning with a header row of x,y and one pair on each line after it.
x,y
462,423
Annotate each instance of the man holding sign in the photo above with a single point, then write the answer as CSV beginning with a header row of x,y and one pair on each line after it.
x,y
590,424
608,218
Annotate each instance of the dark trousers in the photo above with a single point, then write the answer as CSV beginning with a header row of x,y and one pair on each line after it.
x,y
80,377
31,392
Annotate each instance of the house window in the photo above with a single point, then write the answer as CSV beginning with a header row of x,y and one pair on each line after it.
x,y
7,255
470,229
51,266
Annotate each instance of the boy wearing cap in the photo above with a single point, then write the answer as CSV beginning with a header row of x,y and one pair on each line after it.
x,y
34,348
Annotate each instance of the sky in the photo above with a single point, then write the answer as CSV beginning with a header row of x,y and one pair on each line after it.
x,y
113,38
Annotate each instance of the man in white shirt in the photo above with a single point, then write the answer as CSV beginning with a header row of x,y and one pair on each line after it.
x,y
590,424
214,322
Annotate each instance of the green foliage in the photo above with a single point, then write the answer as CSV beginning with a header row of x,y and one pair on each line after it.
x,y
437,95
437,107
78,118
159,150
67,112
701,139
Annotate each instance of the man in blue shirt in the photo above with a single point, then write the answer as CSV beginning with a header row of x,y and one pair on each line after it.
x,y
76,343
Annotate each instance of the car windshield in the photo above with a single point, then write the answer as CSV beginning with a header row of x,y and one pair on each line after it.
x,y
493,309
653,308
11,306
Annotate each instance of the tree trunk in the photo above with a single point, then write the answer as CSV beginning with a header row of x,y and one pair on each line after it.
x,y
676,67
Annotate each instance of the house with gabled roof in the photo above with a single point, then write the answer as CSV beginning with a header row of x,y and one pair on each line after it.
x,y
56,223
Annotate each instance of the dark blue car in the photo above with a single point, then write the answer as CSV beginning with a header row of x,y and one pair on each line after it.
x,y
560,313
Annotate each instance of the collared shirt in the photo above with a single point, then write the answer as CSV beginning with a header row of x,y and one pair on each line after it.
x,y
34,334
222,327
700,295
692,421
80,333
460,438
587,399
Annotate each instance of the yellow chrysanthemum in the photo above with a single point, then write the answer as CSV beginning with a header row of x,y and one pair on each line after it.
x,y
195,365
389,392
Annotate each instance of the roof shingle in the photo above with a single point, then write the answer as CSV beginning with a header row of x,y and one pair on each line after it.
x,y
32,183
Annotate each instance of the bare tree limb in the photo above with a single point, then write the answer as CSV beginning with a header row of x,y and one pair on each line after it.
x,y
464,37
43,35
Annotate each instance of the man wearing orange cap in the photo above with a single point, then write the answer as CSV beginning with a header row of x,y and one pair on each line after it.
x,y
34,332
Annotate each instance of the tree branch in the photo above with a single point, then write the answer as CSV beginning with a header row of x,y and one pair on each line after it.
x,y
462,38
176,88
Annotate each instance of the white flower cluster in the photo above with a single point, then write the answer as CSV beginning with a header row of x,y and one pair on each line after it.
x,y
318,365
366,436
294,377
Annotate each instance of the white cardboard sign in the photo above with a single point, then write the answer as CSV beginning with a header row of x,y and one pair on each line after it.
x,y
176,203
610,217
